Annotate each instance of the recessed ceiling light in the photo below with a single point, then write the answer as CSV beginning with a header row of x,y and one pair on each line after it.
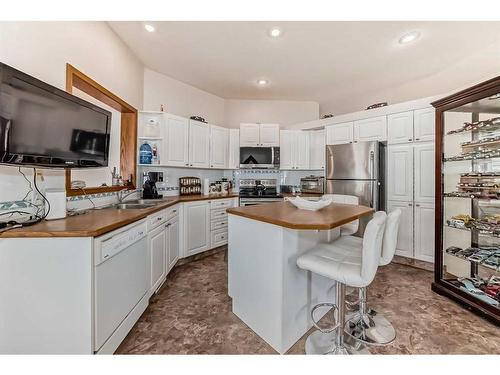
x,y
149,28
262,82
410,37
275,32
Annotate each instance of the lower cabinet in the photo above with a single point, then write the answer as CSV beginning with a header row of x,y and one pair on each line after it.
x,y
173,240
404,246
424,231
416,230
196,227
157,249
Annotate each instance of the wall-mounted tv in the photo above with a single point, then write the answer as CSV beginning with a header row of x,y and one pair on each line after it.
x,y
41,125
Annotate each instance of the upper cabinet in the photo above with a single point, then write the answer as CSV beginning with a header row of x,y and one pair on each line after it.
x,y
400,128
371,129
259,135
294,149
339,133
219,147
411,126
176,141
234,149
317,149
424,120
199,144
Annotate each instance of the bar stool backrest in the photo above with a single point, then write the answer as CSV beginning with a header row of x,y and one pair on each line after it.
x,y
390,236
372,246
353,226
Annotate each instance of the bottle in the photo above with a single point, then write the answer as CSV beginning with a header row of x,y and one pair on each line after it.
x,y
145,154
155,154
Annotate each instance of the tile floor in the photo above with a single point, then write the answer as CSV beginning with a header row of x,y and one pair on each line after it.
x,y
192,315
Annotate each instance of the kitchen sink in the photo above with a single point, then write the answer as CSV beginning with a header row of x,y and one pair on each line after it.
x,y
136,206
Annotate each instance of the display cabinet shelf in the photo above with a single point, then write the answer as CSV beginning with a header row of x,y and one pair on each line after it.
x,y
468,130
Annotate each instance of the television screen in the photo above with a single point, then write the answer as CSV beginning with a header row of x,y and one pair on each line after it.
x,y
41,125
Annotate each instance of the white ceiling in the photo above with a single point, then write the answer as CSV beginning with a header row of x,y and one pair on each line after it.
x,y
341,65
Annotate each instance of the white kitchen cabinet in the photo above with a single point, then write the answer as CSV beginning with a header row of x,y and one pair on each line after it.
x,y
317,149
269,135
173,239
400,172
400,128
340,133
424,172
219,147
294,149
259,135
176,141
371,129
286,149
196,227
249,135
199,144
424,124
158,248
424,232
404,245
234,149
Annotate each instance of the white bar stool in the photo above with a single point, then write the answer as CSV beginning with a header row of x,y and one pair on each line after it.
x,y
353,226
366,325
343,263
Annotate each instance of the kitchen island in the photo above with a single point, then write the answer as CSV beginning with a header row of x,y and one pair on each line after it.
x,y
269,292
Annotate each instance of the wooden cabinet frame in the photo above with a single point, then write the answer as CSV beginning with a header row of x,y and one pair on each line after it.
x,y
128,134
441,286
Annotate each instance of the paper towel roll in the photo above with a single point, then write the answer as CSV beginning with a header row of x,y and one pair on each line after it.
x,y
206,186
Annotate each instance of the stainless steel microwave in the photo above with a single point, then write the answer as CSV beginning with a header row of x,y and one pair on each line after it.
x,y
260,157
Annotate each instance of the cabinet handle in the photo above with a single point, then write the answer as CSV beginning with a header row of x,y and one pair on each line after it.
x,y
409,204
174,211
187,164
409,139
211,166
417,205
417,139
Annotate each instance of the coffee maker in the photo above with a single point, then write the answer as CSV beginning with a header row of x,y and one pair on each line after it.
x,y
150,190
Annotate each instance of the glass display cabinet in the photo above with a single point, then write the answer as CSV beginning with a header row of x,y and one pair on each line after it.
x,y
467,259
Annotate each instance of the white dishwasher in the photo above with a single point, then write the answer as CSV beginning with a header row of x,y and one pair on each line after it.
x,y
121,278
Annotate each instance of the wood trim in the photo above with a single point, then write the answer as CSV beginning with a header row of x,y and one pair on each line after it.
x,y
441,286
128,137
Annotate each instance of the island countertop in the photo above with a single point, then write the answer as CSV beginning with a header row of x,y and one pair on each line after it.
x,y
286,215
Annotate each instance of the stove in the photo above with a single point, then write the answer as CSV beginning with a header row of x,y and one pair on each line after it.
x,y
262,191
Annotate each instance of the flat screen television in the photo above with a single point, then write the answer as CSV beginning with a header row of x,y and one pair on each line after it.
x,y
41,125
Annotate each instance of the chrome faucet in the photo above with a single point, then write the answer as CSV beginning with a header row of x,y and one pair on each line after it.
x,y
122,194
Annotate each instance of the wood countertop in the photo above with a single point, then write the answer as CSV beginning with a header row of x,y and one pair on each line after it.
x,y
287,215
97,222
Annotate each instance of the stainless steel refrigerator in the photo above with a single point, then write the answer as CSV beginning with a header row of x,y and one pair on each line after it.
x,y
357,169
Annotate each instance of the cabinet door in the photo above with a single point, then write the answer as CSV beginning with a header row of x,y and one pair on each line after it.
x,y
286,149
400,172
199,144
424,231
404,245
400,128
424,120
339,133
317,149
424,172
177,141
196,227
234,149
249,135
269,135
157,248
219,148
371,129
173,239
301,152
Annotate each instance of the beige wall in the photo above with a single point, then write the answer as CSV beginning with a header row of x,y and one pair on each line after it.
x,y
283,112
180,99
42,49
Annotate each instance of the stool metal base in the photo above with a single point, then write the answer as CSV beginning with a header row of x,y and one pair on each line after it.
x,y
325,343
370,328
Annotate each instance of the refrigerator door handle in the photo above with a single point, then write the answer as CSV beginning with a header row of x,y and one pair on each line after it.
x,y
372,174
